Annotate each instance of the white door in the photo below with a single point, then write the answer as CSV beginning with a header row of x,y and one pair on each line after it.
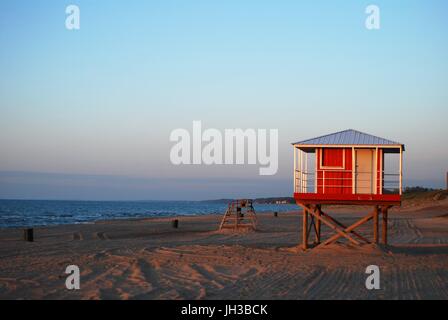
x,y
364,171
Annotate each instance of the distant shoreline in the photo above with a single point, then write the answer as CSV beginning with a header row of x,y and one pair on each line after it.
x,y
270,200
408,192
33,213
36,213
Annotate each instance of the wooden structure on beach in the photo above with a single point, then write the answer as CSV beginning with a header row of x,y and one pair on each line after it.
x,y
240,214
345,168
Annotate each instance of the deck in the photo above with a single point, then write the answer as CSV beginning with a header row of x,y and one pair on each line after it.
x,y
348,199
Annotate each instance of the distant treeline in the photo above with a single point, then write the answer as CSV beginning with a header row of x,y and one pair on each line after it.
x,y
290,200
280,200
424,193
418,189
273,200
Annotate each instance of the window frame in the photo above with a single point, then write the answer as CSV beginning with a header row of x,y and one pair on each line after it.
x,y
321,158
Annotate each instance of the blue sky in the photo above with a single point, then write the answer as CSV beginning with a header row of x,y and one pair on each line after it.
x,y
87,114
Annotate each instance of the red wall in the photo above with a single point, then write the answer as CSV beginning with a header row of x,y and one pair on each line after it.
x,y
337,181
340,180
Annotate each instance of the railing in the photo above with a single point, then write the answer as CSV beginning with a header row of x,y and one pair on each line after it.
x,y
392,183
324,180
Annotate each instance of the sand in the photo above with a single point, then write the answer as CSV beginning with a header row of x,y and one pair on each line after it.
x,y
148,259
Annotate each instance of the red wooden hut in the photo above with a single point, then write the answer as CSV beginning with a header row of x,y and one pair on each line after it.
x,y
347,168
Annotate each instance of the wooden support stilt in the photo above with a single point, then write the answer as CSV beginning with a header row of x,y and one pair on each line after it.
x,y
238,217
311,226
384,210
314,217
305,230
375,224
318,225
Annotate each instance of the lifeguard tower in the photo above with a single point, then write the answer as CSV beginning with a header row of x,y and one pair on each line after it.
x,y
240,214
346,168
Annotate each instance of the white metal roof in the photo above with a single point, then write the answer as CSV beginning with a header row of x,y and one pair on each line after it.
x,y
349,137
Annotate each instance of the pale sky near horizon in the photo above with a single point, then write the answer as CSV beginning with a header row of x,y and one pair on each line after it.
x,y
87,114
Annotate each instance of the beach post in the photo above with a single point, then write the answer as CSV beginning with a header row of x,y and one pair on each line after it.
x,y
275,214
175,223
28,234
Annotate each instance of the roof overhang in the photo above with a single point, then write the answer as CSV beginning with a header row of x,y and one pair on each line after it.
x,y
389,148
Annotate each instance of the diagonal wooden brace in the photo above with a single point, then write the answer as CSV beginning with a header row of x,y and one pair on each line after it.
x,y
350,230
340,231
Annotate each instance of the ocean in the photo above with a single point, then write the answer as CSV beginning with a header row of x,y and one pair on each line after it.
x,y
34,213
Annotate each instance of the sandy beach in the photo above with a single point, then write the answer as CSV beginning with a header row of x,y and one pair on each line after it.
x,y
148,259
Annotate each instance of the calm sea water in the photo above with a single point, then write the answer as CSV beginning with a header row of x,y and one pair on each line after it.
x,y
27,213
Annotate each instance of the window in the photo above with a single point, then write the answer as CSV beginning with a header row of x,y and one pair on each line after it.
x,y
332,158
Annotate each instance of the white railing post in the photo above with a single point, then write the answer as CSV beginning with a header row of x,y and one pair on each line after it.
x,y
306,174
375,185
301,171
401,170
353,171
323,181
316,172
381,171
294,181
